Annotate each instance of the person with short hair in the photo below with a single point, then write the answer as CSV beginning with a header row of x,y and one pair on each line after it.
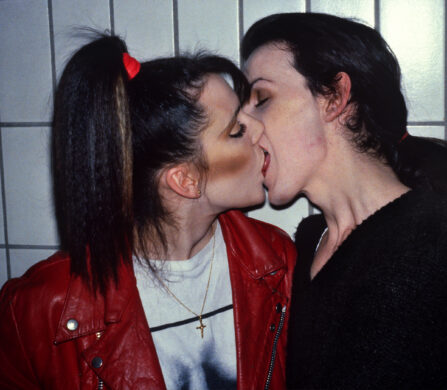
x,y
369,302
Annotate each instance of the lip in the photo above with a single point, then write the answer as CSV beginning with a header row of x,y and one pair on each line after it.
x,y
266,162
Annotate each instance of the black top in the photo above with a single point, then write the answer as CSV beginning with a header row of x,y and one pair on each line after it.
x,y
375,316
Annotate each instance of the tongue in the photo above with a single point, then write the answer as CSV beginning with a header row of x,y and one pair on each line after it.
x,y
266,163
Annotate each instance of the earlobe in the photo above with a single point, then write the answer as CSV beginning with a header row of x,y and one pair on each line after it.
x,y
337,102
183,181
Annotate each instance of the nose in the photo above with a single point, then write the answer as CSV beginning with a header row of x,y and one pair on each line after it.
x,y
257,129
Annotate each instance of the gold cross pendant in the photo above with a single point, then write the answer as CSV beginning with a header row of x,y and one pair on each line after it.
x,y
201,326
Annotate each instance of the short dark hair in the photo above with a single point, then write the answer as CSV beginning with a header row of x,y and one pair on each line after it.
x,y
111,137
323,45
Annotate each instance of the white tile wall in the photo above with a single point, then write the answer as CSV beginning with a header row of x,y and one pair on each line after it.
x,y
212,24
362,10
415,29
147,27
427,131
70,17
25,63
28,186
255,10
22,259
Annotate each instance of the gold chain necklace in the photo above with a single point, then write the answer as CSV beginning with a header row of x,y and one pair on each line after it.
x,y
201,327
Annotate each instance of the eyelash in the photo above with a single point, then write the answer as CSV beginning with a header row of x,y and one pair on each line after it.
x,y
261,102
241,132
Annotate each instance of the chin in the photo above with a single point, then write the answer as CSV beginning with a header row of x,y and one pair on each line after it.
x,y
254,200
279,199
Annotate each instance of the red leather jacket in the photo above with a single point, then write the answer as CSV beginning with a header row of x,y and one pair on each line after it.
x,y
112,344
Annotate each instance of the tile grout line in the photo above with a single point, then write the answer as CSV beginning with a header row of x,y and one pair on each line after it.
x,y
241,28
307,6
52,46
25,124
112,16
377,15
5,223
30,246
445,71
175,23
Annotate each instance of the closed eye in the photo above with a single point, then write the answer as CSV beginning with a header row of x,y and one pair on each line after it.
x,y
261,102
240,132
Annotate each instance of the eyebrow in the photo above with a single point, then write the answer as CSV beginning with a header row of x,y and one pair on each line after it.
x,y
258,79
232,121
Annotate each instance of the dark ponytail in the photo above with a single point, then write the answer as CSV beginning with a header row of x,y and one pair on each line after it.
x,y
421,162
111,138
92,161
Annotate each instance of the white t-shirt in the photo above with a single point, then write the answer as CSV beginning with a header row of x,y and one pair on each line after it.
x,y
188,361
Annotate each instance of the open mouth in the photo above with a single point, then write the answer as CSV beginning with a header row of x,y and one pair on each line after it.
x,y
266,162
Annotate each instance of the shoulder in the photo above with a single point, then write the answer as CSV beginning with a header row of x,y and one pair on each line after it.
x,y
48,277
416,218
256,236
421,222
402,246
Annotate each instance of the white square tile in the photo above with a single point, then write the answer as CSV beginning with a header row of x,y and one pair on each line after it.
x,y
427,131
363,10
3,269
25,62
22,259
30,216
286,218
146,26
415,31
209,24
70,16
257,9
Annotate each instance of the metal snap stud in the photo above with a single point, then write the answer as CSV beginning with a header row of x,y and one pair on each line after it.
x,y
97,362
72,324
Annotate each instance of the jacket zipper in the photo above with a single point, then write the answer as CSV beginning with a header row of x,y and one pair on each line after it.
x,y
100,384
275,343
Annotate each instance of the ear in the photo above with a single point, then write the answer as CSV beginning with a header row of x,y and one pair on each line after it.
x,y
184,180
336,103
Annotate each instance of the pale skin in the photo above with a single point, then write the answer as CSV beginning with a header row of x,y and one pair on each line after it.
x,y
230,142
310,149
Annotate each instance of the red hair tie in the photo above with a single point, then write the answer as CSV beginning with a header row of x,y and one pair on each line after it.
x,y
403,137
132,65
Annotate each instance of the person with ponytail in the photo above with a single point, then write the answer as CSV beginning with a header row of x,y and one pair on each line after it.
x,y
369,300
158,285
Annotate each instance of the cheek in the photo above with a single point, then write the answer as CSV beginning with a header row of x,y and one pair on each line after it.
x,y
313,141
296,131
226,164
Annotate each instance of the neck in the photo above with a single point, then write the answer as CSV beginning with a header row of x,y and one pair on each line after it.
x,y
188,237
351,191
191,229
